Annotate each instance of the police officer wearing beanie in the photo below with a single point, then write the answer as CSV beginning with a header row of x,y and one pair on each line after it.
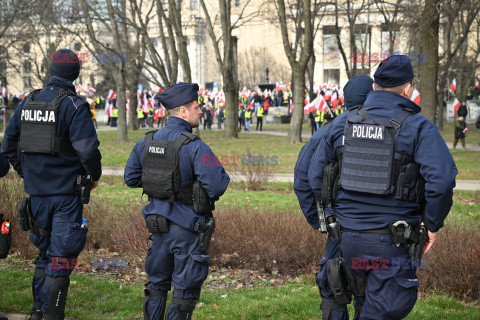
x,y
50,141
395,172
176,170
355,93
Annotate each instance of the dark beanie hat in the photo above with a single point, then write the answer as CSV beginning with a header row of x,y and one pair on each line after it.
x,y
65,64
394,71
178,95
356,90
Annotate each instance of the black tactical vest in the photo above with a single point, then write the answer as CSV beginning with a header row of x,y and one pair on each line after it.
x,y
39,121
161,172
369,161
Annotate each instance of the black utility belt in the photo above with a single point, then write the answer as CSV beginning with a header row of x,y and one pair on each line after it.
x,y
400,231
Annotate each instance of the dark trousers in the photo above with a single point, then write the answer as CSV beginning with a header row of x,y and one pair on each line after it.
x,y
260,121
63,215
174,258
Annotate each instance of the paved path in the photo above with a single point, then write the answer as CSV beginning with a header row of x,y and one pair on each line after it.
x,y
288,177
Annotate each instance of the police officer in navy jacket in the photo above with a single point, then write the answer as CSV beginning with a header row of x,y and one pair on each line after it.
x,y
177,254
355,93
57,143
365,215
4,165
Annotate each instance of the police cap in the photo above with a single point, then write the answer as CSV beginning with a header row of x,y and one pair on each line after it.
x,y
178,95
394,71
356,90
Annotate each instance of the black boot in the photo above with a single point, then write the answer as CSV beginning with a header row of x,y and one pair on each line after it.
x,y
36,315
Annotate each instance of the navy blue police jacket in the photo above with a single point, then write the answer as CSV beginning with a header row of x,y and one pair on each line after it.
x,y
302,189
4,165
194,164
56,175
418,138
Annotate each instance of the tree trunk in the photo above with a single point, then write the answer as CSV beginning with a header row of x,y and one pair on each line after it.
x,y
441,97
429,69
295,133
230,88
122,134
132,113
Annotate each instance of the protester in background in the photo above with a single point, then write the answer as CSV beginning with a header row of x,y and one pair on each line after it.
x,y
94,116
460,132
462,110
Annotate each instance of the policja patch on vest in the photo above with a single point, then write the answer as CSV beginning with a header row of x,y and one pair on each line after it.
x,y
36,116
156,150
368,132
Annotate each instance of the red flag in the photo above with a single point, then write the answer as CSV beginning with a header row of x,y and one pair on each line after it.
x,y
456,105
4,91
453,85
328,95
416,96
91,88
478,85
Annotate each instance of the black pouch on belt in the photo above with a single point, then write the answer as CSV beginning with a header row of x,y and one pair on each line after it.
x,y
157,224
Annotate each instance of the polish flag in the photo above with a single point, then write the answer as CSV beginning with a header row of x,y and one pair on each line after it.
x,y
91,88
456,105
107,105
416,97
4,91
334,101
321,104
128,104
478,85
111,95
251,105
80,88
109,111
328,95
453,85
309,107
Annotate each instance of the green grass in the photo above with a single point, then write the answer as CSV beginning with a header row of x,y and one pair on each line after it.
x,y
94,297
473,136
115,154
467,163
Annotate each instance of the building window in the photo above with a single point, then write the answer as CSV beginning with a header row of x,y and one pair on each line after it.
x,y
27,67
77,46
26,48
27,82
193,5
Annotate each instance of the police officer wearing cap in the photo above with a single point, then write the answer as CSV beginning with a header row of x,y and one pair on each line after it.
x,y
394,173
177,172
355,93
51,142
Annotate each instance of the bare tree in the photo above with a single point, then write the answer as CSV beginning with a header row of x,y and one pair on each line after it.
x,y
298,61
227,62
457,19
429,69
352,10
13,24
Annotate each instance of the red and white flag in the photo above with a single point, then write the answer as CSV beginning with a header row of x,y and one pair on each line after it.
x,y
453,85
478,85
80,88
4,92
328,95
456,105
416,96
334,100
91,88
111,95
